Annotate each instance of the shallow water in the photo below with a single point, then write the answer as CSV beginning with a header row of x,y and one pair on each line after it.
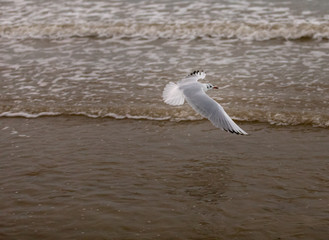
x,y
269,58
82,178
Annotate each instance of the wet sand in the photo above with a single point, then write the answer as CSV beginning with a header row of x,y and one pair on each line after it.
x,y
83,178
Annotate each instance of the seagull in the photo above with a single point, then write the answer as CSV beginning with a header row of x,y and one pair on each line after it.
x,y
194,93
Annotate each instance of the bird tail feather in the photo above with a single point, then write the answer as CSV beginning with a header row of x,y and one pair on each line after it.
x,y
172,95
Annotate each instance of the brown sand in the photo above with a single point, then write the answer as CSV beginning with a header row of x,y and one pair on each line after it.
x,y
82,178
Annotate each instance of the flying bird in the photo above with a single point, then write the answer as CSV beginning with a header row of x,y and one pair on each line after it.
x,y
194,93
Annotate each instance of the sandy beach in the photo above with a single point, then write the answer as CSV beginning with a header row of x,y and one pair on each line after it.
x,y
83,178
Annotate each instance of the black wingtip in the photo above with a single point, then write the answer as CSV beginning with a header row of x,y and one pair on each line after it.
x,y
196,72
235,132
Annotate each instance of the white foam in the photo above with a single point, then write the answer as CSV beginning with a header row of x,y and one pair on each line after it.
x,y
278,118
28,115
136,117
244,30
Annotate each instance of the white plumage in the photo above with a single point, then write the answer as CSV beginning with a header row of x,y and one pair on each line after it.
x,y
194,93
172,95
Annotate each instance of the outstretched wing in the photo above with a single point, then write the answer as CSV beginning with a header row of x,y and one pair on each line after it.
x,y
193,77
210,109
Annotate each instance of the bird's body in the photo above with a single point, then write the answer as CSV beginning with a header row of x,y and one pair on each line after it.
x,y
194,93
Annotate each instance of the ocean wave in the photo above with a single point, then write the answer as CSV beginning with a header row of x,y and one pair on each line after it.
x,y
86,114
273,118
225,30
29,115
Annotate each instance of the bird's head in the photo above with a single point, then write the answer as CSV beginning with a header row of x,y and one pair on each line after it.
x,y
208,86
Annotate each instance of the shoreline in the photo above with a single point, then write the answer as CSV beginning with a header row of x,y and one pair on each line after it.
x,y
8,115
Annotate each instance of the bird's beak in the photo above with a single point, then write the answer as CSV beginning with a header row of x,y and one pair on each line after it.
x,y
215,87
